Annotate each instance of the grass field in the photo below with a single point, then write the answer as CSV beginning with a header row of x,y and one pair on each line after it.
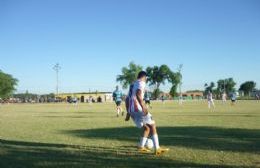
x,y
89,135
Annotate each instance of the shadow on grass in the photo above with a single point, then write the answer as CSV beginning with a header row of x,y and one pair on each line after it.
x,y
30,154
216,115
77,116
208,138
69,115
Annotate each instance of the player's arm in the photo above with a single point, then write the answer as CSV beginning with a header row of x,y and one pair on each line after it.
x,y
127,118
114,95
141,101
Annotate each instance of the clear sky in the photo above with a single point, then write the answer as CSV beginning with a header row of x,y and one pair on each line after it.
x,y
93,39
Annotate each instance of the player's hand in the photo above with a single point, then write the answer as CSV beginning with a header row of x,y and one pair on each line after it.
x,y
147,116
127,118
145,110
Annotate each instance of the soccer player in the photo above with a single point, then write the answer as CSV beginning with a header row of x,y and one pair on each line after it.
x,y
147,99
257,96
74,101
117,96
180,100
233,99
210,100
224,97
137,110
163,99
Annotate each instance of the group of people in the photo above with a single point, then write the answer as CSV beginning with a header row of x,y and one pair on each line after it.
x,y
137,104
224,99
118,98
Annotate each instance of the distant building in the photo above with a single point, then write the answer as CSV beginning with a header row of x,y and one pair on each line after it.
x,y
86,96
193,94
189,95
165,96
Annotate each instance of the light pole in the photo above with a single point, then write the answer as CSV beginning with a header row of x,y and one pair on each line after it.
x,y
224,85
57,69
180,92
224,94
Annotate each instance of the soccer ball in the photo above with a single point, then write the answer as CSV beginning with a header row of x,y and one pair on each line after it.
x,y
149,144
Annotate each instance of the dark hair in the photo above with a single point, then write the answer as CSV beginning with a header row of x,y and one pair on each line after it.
x,y
141,74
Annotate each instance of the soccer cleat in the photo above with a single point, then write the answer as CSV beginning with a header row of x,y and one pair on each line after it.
x,y
144,150
160,151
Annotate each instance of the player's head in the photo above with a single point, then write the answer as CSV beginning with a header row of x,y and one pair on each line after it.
x,y
142,76
117,87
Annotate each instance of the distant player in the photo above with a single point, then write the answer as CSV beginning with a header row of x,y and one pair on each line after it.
x,y
257,97
117,96
163,99
210,100
233,99
180,100
224,97
137,110
147,99
74,101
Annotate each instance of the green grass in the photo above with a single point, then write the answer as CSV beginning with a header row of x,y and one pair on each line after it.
x,y
89,135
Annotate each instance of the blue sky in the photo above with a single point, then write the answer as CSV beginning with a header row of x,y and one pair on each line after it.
x,y
93,39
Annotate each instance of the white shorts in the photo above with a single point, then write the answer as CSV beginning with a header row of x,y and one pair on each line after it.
x,y
140,119
211,101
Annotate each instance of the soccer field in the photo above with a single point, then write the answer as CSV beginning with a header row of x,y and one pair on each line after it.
x,y
90,135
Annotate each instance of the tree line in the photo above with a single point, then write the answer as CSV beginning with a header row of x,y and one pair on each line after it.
x,y
228,86
33,98
159,75
156,76
8,86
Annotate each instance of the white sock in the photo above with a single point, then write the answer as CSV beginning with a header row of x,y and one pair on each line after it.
x,y
156,141
117,111
143,141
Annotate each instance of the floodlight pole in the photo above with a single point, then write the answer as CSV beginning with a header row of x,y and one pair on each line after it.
x,y
225,85
180,85
57,69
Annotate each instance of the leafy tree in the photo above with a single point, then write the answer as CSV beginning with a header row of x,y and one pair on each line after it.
x,y
26,97
209,87
173,91
129,74
7,84
247,87
156,93
227,85
157,76
174,79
